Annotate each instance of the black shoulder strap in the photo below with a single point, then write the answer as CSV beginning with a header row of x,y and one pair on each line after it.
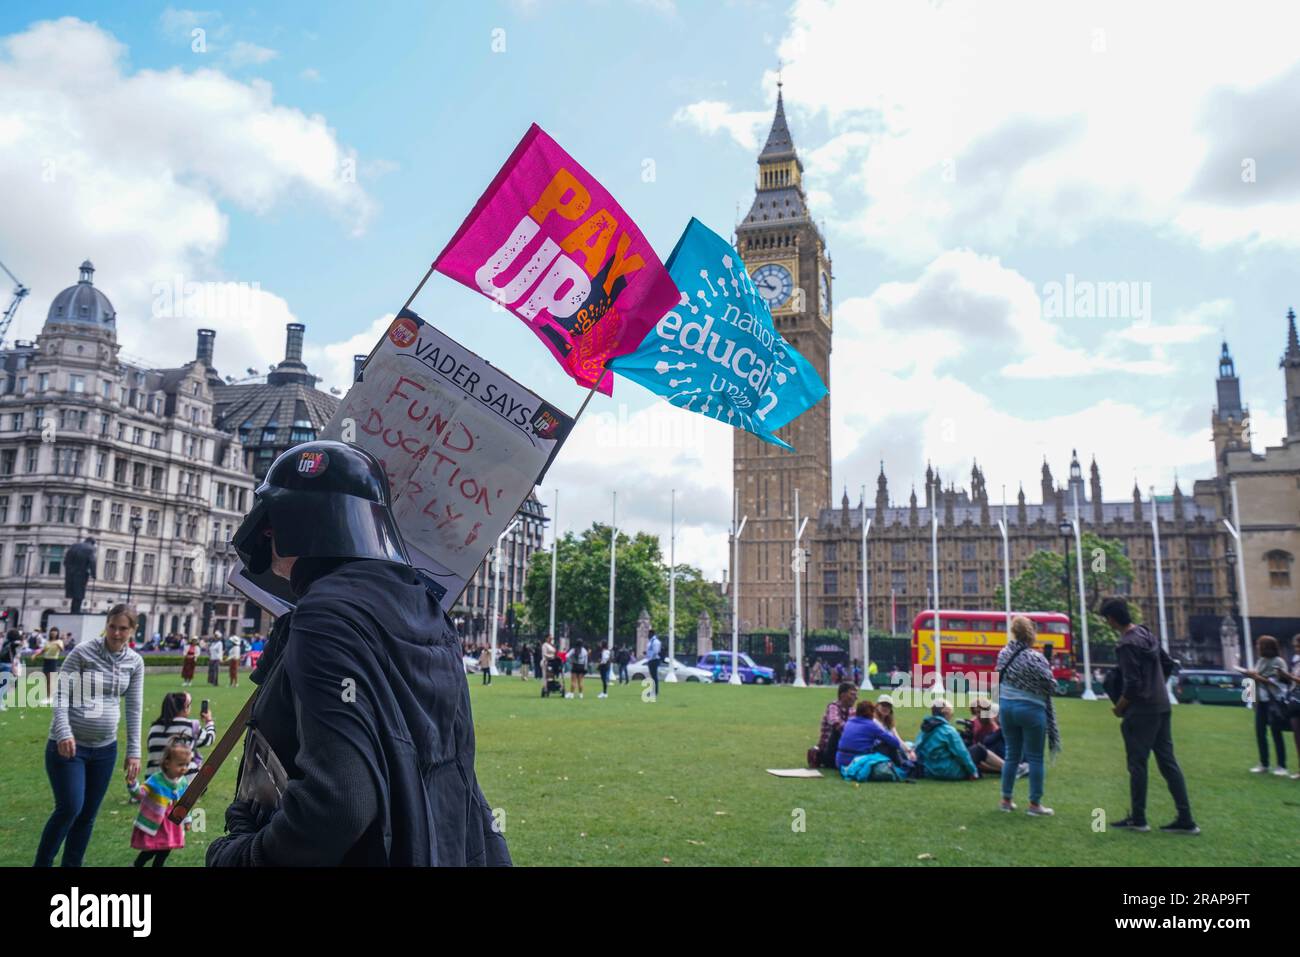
x,y
1002,672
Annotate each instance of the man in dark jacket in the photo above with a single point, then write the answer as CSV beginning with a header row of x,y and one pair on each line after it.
x,y
1143,706
362,695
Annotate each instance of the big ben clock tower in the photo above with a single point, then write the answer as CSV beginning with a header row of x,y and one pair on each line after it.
x,y
787,259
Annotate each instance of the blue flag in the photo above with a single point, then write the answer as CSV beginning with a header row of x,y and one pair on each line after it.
x,y
717,351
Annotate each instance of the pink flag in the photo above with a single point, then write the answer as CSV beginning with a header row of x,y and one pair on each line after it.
x,y
549,243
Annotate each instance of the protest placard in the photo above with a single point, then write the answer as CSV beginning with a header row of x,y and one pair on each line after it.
x,y
462,444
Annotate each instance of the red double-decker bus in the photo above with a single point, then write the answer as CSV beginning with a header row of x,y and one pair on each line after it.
x,y
970,640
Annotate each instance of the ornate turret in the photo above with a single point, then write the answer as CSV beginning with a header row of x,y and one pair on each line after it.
x,y
1022,513
1228,420
1137,502
1048,485
1094,482
911,508
1291,365
882,492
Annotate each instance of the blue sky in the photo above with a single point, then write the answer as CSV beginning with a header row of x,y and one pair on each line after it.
x,y
961,162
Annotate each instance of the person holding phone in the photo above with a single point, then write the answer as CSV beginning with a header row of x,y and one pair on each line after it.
x,y
1271,679
82,748
174,721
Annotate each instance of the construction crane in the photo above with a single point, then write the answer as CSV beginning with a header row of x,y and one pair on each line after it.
x,y
20,293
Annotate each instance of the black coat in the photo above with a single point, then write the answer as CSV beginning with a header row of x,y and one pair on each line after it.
x,y
364,700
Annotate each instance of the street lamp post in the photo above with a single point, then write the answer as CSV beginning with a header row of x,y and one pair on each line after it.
x,y
136,524
27,574
496,596
1067,532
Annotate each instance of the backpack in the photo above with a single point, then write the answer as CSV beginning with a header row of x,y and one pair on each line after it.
x,y
886,771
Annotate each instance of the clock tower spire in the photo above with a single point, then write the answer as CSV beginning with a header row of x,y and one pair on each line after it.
x,y
786,256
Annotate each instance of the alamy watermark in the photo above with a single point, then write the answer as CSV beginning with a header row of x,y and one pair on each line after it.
x,y
1085,299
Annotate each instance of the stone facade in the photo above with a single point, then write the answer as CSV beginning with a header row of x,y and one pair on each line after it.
x,y
94,446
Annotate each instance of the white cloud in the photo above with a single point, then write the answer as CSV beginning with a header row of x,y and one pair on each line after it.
x,y
134,170
242,53
713,116
311,75
965,124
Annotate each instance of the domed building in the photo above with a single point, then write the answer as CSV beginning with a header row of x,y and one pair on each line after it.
x,y
94,446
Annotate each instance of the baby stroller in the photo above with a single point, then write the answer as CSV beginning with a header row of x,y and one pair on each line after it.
x,y
554,683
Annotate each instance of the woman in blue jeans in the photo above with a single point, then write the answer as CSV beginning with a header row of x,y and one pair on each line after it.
x,y
1025,706
81,752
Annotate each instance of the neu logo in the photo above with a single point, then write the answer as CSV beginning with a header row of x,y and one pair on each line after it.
x,y
312,464
403,332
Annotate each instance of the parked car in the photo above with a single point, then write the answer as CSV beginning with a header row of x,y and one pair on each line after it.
x,y
718,664
639,670
1209,687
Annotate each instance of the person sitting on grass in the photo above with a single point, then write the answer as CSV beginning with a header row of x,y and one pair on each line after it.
x,y
885,718
862,735
984,726
833,720
940,748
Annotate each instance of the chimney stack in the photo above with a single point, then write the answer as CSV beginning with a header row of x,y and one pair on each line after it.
x,y
203,353
293,342
357,363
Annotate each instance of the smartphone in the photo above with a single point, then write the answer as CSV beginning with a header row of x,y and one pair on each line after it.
x,y
205,706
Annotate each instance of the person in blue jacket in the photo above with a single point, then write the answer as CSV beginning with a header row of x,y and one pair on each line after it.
x,y
862,735
940,749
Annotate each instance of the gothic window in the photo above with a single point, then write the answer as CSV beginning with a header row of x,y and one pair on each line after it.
x,y
829,551
830,584
968,551
898,551
970,582
1279,568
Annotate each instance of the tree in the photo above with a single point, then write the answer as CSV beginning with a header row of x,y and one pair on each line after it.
x,y
582,583
694,595
1041,586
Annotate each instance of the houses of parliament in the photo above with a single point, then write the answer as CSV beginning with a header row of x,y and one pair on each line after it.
x,y
1199,557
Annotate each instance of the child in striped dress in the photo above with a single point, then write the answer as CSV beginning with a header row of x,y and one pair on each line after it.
x,y
155,835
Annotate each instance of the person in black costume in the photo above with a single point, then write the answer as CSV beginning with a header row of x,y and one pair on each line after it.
x,y
363,696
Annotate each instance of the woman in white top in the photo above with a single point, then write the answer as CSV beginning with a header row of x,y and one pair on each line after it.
x,y
604,670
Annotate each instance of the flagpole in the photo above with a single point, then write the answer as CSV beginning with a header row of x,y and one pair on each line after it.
x,y
866,599
1006,562
796,565
555,551
672,587
411,298
735,586
1160,589
1088,693
934,562
613,550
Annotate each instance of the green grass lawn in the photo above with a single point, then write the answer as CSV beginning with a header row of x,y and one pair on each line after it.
x,y
682,781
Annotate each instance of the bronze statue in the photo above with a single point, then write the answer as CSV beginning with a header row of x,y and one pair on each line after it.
x,y
78,568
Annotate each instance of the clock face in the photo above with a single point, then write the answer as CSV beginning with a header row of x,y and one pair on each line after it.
x,y
826,295
774,283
